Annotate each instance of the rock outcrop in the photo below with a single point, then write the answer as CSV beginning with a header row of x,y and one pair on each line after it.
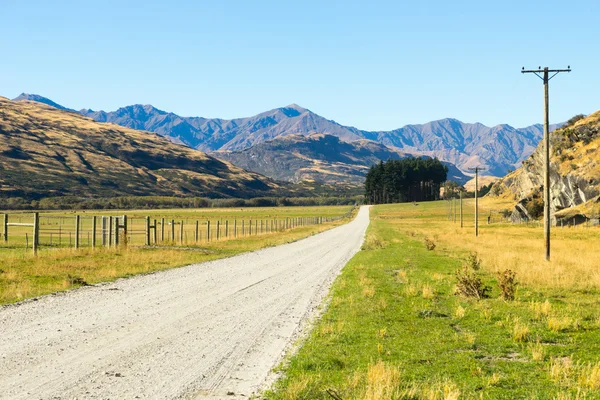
x,y
574,175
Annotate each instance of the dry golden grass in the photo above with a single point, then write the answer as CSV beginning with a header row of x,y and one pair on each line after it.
x,y
541,310
589,376
574,259
428,292
459,312
559,324
538,353
520,332
411,290
382,381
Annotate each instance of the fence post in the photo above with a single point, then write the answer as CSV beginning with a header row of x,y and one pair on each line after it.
x,y
77,223
162,229
147,231
208,230
196,233
243,231
94,232
227,229
181,233
155,233
218,229
235,228
173,230
125,239
110,231
36,232
116,234
5,228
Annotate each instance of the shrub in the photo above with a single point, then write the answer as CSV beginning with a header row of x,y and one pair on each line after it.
x,y
469,284
535,207
507,284
429,244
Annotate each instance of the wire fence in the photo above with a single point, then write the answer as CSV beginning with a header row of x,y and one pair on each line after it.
x,y
493,216
33,231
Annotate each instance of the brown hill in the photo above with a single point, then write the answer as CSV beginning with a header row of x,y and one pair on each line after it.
x,y
45,152
317,157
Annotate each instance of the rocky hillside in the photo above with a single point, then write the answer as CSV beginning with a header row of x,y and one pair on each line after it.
x,y
498,148
317,157
45,152
575,173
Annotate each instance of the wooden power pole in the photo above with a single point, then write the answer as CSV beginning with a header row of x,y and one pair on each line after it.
x,y
476,169
545,77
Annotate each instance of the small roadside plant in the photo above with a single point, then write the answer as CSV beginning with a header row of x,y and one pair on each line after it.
x,y
507,284
429,244
468,282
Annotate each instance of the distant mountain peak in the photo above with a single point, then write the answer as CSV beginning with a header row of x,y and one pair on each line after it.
x,y
40,99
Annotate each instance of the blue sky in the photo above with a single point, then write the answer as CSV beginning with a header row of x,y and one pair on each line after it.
x,y
376,65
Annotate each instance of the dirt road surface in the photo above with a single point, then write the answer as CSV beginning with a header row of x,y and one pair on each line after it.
x,y
211,330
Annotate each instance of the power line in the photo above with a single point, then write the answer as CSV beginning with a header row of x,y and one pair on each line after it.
x,y
546,78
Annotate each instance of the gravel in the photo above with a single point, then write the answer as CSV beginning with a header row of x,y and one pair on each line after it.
x,y
211,330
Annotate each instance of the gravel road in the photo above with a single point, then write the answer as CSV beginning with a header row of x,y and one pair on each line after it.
x,y
212,330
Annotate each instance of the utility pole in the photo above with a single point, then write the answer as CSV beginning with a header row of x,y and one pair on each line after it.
x,y
546,78
476,169
460,192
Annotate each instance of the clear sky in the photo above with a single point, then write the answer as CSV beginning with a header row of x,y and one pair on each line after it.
x,y
371,64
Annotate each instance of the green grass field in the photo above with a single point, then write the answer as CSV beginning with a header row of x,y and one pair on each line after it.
x,y
395,329
60,267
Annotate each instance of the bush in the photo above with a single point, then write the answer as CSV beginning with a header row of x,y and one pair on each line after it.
x,y
535,207
429,244
507,284
469,284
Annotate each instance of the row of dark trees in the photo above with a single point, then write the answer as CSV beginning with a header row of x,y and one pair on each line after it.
x,y
409,179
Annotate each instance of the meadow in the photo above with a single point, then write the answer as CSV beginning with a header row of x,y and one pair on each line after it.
x,y
58,266
397,326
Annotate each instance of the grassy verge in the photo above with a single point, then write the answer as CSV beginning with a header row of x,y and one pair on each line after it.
x,y
395,329
24,276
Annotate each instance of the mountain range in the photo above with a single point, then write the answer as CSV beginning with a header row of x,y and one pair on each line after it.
x,y
48,152
317,157
498,149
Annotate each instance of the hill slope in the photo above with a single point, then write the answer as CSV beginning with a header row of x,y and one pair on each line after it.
x,y
574,173
40,99
45,151
317,157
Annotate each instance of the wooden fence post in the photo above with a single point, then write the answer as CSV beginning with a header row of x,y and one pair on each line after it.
x,y
94,232
173,230
218,228
235,228
5,234
125,239
77,223
208,230
243,231
148,231
227,229
116,233
155,233
110,231
196,233
36,232
181,233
